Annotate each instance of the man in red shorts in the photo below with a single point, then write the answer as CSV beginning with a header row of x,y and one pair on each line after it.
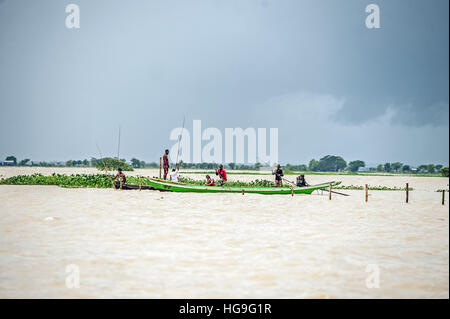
x,y
166,163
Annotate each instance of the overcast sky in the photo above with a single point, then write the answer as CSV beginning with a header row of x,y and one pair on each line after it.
x,y
310,68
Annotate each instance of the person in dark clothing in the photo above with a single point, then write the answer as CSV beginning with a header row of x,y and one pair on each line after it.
x,y
301,182
278,176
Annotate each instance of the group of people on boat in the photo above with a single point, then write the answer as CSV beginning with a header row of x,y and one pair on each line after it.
x,y
221,173
120,178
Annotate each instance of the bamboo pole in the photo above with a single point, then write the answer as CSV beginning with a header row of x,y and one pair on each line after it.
x,y
443,197
367,193
292,190
160,167
407,193
140,183
329,192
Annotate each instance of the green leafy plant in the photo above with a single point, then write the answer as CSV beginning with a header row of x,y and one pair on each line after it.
x,y
109,163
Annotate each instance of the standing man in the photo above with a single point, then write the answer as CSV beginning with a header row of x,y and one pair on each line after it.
x,y
278,176
222,174
166,163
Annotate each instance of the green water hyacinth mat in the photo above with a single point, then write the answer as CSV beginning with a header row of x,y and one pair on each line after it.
x,y
103,181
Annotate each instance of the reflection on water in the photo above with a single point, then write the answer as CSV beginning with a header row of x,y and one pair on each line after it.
x,y
151,244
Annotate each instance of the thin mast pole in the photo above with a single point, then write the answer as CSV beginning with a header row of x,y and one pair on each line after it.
x,y
118,146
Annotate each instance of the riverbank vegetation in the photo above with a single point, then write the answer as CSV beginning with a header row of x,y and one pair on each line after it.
x,y
325,165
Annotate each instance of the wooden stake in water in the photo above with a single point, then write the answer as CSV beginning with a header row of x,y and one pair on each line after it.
x,y
329,192
292,191
367,193
443,197
140,183
407,192
160,167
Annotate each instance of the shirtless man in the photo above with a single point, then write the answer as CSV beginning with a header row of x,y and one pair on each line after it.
x,y
120,179
166,163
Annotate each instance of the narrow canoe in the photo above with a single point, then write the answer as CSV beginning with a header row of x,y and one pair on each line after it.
x,y
180,187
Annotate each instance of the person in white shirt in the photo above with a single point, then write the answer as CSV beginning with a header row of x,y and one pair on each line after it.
x,y
174,174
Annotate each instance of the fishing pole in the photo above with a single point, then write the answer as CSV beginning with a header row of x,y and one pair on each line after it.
x,y
104,164
292,183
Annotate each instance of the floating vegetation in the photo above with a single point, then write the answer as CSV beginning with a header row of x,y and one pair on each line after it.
x,y
74,180
104,181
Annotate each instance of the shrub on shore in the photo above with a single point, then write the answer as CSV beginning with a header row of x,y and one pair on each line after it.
x,y
109,163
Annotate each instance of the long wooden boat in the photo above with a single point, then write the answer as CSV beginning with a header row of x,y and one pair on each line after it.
x,y
163,185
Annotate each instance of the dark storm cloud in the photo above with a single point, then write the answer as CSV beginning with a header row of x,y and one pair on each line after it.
x,y
145,64
403,65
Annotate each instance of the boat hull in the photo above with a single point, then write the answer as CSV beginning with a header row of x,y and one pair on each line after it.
x,y
189,188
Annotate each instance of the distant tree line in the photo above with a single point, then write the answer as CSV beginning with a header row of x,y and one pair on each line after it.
x,y
329,163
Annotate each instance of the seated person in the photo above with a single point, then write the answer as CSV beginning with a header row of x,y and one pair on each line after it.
x,y
174,174
120,179
209,181
301,182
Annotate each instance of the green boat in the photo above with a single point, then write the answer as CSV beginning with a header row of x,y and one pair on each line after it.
x,y
164,185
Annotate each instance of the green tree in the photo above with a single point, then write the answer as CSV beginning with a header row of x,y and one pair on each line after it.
x,y
396,166
135,163
12,158
444,171
422,169
331,163
431,169
354,166
85,162
312,166
380,168
24,162
109,163
387,167
406,168
69,163
438,167
232,165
